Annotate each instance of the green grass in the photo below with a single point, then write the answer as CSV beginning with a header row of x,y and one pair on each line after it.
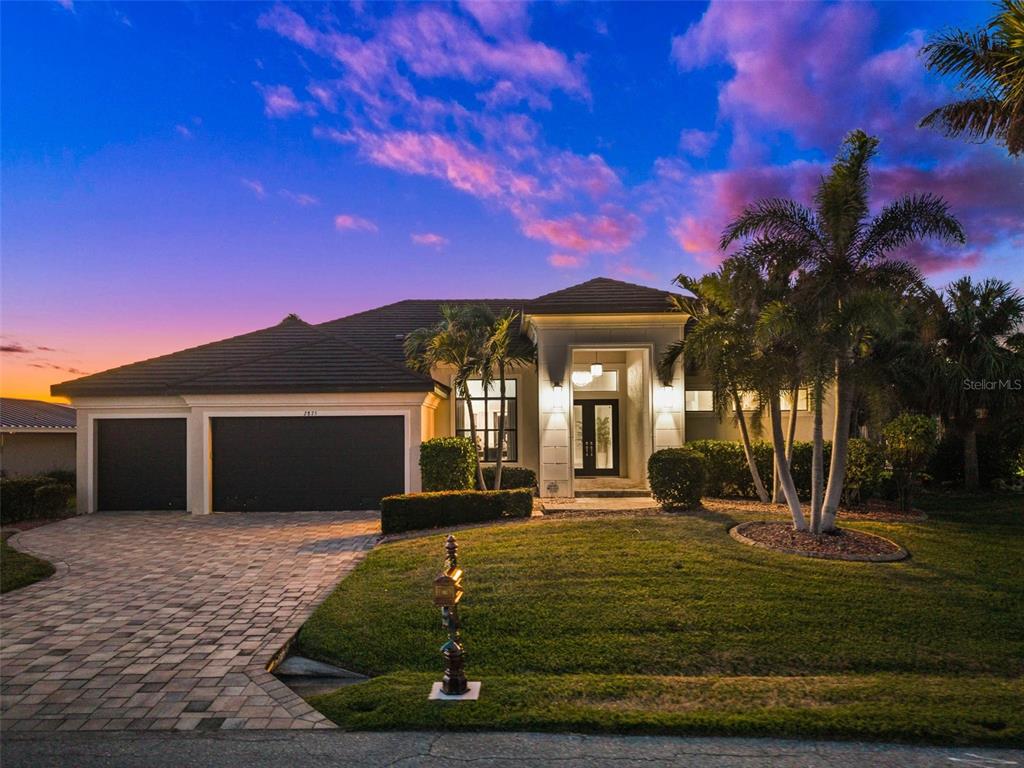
x,y
666,625
18,569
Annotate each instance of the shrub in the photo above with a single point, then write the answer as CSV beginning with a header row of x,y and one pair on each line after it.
x,y
52,500
412,511
512,477
677,477
727,470
17,497
909,444
1000,456
448,464
61,476
803,456
865,471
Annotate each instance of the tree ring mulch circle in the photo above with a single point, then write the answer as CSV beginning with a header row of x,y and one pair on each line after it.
x,y
845,544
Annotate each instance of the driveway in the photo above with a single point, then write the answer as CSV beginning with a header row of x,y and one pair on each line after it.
x,y
167,621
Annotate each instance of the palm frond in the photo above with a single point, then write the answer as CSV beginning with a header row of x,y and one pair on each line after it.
x,y
774,218
908,219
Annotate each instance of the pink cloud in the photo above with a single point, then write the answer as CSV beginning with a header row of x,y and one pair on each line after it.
x,y
429,238
697,143
256,187
351,222
566,260
497,18
299,198
610,231
280,101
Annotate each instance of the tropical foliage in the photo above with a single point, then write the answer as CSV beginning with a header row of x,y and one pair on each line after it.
x,y
990,64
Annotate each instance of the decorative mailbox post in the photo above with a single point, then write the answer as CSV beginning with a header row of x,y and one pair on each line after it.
x,y
447,594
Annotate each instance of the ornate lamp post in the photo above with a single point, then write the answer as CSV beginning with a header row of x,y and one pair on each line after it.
x,y
447,594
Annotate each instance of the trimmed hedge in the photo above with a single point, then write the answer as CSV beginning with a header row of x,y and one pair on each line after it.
x,y
448,464
677,477
512,477
27,498
413,511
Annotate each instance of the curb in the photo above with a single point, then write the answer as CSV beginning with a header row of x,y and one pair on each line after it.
x,y
901,554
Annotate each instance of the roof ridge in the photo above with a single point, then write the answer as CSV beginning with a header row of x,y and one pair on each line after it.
x,y
419,301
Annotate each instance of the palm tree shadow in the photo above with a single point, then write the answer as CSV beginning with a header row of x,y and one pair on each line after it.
x,y
708,515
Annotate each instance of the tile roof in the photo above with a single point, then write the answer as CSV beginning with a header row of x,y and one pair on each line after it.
x,y
35,414
602,295
358,353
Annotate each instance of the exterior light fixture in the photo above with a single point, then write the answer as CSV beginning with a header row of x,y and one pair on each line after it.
x,y
581,378
667,397
557,392
596,369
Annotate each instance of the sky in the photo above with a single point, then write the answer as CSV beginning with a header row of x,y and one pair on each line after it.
x,y
173,174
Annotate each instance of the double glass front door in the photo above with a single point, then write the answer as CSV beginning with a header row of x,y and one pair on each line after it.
x,y
596,437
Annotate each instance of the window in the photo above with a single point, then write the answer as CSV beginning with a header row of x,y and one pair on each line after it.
x,y
801,400
699,400
606,382
486,412
749,401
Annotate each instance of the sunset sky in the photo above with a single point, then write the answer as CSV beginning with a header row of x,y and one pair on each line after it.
x,y
179,173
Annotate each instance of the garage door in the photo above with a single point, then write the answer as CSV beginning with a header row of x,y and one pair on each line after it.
x,y
283,463
140,464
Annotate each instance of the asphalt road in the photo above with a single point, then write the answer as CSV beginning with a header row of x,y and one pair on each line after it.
x,y
313,749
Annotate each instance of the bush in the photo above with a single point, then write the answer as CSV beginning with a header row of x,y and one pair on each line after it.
x,y
1000,455
727,470
19,500
512,477
412,511
61,476
677,477
803,456
865,471
909,444
52,500
448,464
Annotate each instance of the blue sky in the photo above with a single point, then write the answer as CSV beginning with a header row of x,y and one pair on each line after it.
x,y
177,173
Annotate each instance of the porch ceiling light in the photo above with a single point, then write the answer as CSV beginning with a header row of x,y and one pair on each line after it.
x,y
596,369
581,378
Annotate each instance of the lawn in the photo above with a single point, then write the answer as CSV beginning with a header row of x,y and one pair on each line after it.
x,y
666,625
18,569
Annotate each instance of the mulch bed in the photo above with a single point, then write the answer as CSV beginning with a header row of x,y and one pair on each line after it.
x,y
843,544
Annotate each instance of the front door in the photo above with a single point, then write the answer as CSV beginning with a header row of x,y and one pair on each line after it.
x,y
596,428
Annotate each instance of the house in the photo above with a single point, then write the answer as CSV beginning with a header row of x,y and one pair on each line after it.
x,y
328,416
35,437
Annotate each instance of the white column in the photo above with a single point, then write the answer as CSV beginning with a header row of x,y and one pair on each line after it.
x,y
199,469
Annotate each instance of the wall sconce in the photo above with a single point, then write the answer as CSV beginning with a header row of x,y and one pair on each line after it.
x,y
667,397
558,403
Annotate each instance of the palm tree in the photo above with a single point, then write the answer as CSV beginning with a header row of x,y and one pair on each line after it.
x,y
981,339
458,341
846,255
719,341
990,63
505,349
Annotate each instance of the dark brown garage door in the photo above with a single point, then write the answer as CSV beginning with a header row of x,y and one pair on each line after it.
x,y
140,464
286,464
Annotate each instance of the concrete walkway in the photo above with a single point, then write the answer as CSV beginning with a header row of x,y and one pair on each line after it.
x,y
168,621
523,750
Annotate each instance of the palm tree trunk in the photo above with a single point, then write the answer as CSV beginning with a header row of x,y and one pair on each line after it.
x,y
790,439
817,461
785,476
472,436
501,426
762,494
971,476
840,441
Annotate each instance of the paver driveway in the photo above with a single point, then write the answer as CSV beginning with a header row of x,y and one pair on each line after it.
x,y
167,620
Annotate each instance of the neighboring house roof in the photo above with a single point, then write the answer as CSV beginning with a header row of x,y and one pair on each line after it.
x,y
358,353
16,414
602,296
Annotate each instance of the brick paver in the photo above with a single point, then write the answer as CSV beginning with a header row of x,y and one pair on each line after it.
x,y
168,621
